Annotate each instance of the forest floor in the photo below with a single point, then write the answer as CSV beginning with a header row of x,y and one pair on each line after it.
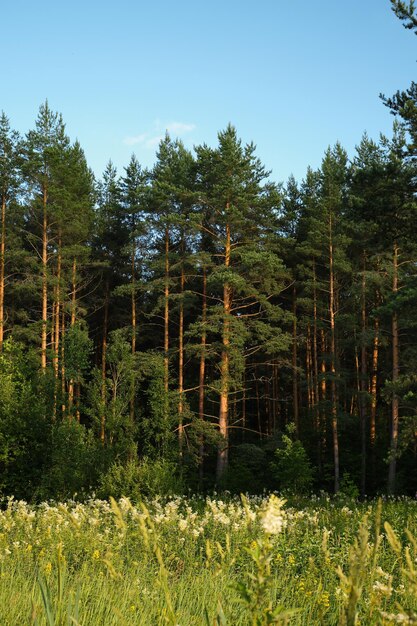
x,y
209,561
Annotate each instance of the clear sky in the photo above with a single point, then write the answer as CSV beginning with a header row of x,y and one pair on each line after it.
x,y
294,76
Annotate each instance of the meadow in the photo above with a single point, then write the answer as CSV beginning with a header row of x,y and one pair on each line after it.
x,y
209,561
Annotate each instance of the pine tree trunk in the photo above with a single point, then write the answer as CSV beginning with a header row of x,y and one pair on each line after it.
x,y
373,390
203,349
2,267
44,280
73,318
395,375
181,367
56,324
335,436
57,309
323,393
222,454
363,379
202,372
166,325
104,363
294,363
133,303
316,375
309,374
64,408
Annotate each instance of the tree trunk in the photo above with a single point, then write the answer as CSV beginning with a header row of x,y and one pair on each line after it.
x,y
64,408
201,378
133,303
373,390
317,415
335,436
395,375
73,318
56,322
104,363
309,374
363,379
181,367
44,280
57,309
2,266
294,363
222,454
166,325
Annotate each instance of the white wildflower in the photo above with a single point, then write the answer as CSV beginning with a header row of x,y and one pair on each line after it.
x,y
272,517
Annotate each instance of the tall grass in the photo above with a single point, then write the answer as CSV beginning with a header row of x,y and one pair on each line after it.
x,y
208,562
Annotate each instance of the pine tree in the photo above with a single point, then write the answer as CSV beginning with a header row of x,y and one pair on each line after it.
x,y
46,150
246,274
10,149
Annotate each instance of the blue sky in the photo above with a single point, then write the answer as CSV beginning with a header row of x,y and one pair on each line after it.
x,y
294,76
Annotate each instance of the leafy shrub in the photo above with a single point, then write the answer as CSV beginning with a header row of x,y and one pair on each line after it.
x,y
247,468
291,467
138,479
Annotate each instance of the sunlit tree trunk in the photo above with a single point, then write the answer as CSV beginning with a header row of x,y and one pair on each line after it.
x,y
56,323
181,366
64,408
2,267
317,416
373,390
44,279
222,454
363,386
333,390
202,371
133,305
104,363
395,375
294,363
73,319
166,325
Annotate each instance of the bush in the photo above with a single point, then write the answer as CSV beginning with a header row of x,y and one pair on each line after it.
x,y
291,468
140,479
247,468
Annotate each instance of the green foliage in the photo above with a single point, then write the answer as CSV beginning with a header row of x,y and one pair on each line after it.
x,y
72,465
247,470
141,479
78,348
348,487
291,467
24,432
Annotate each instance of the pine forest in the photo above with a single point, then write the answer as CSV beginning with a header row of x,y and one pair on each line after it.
x,y
197,326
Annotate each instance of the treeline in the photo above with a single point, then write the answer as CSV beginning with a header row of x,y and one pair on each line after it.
x,y
191,312
197,325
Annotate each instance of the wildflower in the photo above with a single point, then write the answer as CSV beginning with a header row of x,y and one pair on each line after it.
x,y
324,600
398,618
47,568
272,520
96,555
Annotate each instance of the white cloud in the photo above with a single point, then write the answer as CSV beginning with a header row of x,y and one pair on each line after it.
x,y
154,141
179,128
132,141
149,139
